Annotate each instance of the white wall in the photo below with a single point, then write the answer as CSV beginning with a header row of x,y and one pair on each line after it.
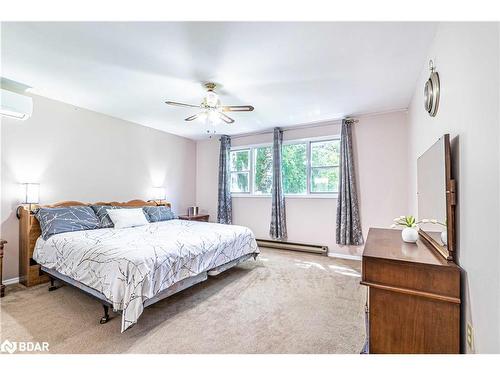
x,y
82,155
381,149
467,58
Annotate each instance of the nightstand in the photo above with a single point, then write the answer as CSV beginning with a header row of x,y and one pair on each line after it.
x,y
30,272
194,217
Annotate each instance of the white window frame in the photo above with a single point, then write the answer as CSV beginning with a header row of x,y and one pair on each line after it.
x,y
250,170
310,167
309,193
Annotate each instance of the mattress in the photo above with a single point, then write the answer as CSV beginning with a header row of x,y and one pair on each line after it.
x,y
132,265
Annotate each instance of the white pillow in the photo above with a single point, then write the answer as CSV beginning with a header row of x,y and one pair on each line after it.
x,y
130,217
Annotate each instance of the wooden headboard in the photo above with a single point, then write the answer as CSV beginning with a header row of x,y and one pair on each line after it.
x,y
29,231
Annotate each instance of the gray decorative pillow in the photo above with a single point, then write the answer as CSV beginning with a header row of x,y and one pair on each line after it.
x,y
102,214
158,213
66,219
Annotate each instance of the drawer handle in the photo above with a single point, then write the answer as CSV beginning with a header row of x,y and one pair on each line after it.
x,y
412,292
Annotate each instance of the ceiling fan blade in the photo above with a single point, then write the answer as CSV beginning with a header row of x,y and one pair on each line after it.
x,y
225,118
193,117
182,104
236,108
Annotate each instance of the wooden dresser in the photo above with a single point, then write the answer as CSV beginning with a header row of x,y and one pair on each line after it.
x,y
414,296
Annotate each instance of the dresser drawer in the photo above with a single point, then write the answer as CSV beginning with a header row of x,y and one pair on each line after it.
x,y
435,280
403,323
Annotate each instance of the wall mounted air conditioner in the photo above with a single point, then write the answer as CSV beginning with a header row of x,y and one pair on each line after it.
x,y
15,105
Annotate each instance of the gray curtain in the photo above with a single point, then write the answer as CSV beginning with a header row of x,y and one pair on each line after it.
x,y
348,222
277,230
224,209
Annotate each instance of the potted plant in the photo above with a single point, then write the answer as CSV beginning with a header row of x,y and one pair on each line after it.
x,y
410,228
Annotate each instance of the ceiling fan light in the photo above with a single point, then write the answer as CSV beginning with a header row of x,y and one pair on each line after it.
x,y
212,99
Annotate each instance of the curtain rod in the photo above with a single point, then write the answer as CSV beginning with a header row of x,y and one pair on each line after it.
x,y
297,127
353,117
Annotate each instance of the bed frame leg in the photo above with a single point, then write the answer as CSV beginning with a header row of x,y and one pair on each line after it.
x,y
106,317
53,285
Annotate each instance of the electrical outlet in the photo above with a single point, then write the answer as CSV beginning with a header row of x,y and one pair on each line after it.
x,y
469,336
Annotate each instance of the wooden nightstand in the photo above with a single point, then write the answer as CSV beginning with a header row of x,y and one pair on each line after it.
x,y
194,217
29,230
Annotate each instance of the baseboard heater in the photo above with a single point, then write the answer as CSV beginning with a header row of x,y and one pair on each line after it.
x,y
282,245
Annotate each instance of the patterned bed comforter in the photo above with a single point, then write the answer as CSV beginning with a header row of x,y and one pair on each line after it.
x,y
132,265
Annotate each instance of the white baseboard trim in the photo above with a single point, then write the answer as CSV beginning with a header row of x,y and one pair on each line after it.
x,y
345,256
14,280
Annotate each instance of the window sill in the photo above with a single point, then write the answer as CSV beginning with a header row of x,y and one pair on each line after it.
x,y
298,196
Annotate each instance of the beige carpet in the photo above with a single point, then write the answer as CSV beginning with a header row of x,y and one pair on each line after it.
x,y
285,302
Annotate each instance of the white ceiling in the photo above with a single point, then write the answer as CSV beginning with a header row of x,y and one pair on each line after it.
x,y
292,73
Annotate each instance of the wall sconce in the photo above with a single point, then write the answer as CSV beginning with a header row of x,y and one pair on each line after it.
x,y
158,194
31,195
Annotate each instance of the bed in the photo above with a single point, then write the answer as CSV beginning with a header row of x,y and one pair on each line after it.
x,y
131,268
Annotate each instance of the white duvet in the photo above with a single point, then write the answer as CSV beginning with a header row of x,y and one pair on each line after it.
x,y
131,265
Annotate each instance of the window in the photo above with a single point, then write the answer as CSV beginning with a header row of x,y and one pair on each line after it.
x,y
309,167
263,170
294,168
325,166
240,171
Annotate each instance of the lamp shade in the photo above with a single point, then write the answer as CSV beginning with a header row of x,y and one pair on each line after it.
x,y
31,193
158,193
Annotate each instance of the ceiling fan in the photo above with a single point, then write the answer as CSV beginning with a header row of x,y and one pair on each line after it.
x,y
212,109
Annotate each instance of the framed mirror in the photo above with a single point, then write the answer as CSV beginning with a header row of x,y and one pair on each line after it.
x,y
437,198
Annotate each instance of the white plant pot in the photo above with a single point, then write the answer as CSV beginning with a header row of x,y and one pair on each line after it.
x,y
444,237
409,235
